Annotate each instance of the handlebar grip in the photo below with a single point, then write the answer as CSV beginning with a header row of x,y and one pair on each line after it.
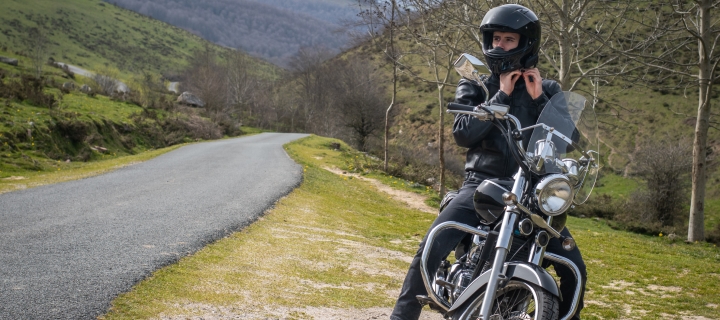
x,y
459,107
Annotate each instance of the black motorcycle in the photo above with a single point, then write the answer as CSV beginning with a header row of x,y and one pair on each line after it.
x,y
499,274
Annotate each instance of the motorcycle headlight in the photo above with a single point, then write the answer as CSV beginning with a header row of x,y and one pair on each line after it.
x,y
554,194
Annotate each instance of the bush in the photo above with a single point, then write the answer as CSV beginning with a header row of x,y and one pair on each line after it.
x,y
714,235
29,88
422,165
598,206
661,205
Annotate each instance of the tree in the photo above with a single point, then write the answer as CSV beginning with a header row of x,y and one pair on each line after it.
x,y
665,42
358,99
664,166
576,37
240,81
37,45
377,19
207,79
440,29
105,80
308,69
148,87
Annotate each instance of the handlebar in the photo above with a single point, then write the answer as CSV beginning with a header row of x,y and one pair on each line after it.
x,y
459,107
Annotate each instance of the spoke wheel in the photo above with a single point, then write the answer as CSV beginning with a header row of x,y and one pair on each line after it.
x,y
516,301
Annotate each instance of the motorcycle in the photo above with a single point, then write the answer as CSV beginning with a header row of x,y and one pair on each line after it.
x,y
499,274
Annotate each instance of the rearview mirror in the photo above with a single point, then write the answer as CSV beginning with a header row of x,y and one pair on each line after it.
x,y
467,66
470,67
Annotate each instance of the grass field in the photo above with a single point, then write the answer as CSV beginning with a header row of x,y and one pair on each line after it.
x,y
338,244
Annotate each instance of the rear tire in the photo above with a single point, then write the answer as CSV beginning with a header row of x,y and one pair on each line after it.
x,y
517,300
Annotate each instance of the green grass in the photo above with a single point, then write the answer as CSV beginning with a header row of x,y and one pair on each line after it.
x,y
96,35
655,277
339,243
320,246
60,171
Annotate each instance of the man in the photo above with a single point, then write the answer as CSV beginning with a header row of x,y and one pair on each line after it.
x,y
511,43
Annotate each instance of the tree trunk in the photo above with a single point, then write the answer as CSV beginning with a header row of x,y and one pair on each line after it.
x,y
394,81
441,139
566,50
696,228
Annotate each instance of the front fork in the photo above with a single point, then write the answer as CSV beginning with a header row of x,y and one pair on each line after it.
x,y
502,246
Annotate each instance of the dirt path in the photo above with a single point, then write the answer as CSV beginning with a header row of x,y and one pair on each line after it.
x,y
413,200
274,312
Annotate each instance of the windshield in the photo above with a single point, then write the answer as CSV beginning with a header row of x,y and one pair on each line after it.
x,y
567,116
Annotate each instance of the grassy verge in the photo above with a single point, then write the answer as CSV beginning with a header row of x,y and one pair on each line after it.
x,y
66,171
311,250
338,243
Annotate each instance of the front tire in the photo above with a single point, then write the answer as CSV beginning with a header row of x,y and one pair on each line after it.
x,y
517,300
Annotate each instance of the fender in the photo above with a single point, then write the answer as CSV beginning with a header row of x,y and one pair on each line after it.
x,y
513,270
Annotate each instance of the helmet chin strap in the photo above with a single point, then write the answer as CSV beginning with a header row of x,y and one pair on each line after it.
x,y
530,62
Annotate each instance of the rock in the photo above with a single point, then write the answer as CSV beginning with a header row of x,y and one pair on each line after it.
x,y
68,86
190,99
99,149
85,89
10,61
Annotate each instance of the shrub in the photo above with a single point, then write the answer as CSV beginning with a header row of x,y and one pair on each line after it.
x,y
29,88
714,235
422,165
660,205
598,206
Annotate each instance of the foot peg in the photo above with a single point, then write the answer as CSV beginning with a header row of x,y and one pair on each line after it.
x,y
425,300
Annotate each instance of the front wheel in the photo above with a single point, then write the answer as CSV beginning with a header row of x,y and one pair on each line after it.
x,y
517,300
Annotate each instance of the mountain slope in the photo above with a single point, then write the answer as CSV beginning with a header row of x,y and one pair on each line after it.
x,y
273,30
95,35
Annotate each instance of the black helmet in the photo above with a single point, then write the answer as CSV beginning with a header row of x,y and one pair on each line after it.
x,y
511,18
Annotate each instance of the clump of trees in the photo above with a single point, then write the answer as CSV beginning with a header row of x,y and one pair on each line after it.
x,y
587,45
660,205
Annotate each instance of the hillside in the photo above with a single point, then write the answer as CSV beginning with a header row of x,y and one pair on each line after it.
x,y
96,35
631,115
273,30
48,124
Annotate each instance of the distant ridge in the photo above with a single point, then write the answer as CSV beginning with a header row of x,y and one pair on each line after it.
x,y
272,29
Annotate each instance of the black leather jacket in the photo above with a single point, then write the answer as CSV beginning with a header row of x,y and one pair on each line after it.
x,y
488,152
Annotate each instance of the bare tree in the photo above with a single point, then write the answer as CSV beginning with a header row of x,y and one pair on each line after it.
x,y
105,81
240,81
666,38
358,99
312,79
207,79
37,45
664,165
377,19
576,37
432,25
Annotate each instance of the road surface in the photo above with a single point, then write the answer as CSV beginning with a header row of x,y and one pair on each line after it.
x,y
121,86
68,249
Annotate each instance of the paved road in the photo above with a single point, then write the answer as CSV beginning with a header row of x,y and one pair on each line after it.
x,y
66,250
121,86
